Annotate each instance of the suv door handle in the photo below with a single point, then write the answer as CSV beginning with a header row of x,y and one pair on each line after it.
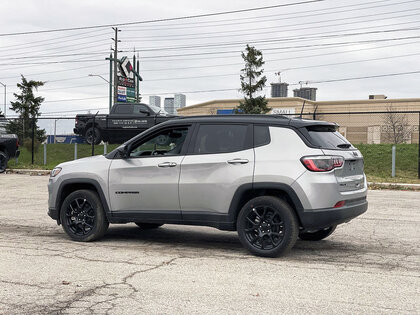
x,y
167,164
238,161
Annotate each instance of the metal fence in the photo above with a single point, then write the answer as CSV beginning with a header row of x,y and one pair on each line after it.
x,y
358,127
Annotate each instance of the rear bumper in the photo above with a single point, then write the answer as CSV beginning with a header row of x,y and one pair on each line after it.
x,y
53,213
17,153
322,218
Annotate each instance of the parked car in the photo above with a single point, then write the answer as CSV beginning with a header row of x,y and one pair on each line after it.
x,y
9,145
270,178
125,121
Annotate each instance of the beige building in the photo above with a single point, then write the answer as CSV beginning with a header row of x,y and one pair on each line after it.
x,y
358,128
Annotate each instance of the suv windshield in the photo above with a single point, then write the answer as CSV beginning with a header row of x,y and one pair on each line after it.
x,y
159,110
328,137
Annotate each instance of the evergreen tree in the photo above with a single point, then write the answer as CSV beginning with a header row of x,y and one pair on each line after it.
x,y
252,82
27,106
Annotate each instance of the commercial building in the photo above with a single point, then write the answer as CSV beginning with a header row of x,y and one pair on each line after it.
x,y
279,89
168,105
306,93
358,128
154,100
180,101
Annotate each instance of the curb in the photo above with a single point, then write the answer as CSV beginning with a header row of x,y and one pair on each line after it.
x,y
28,172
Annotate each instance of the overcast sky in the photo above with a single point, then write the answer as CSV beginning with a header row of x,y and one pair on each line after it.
x,y
293,40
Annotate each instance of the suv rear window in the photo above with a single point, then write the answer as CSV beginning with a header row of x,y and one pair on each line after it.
x,y
220,139
327,137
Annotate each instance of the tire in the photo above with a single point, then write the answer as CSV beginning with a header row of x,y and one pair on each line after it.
x,y
267,226
4,158
318,235
148,226
93,135
83,217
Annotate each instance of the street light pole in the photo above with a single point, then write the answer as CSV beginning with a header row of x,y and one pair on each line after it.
x,y
4,85
110,88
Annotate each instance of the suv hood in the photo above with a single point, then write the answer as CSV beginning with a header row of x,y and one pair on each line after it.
x,y
87,160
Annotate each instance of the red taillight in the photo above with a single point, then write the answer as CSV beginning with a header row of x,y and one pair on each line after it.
x,y
322,163
17,143
340,204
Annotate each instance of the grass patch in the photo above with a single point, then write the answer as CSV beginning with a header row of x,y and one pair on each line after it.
x,y
378,162
56,154
377,159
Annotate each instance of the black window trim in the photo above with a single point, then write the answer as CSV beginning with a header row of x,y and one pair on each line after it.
x,y
249,138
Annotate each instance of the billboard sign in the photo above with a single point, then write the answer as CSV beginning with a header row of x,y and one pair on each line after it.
x,y
126,84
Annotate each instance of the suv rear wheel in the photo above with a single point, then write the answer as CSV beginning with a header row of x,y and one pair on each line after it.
x,y
93,135
267,226
148,226
83,217
318,235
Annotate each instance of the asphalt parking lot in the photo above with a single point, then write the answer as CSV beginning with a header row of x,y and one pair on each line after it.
x,y
370,265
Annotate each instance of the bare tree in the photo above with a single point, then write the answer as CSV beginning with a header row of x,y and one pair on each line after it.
x,y
397,129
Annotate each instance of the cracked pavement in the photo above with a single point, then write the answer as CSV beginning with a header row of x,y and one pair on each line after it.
x,y
370,265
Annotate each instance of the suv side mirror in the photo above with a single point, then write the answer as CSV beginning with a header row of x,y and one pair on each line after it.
x,y
146,112
124,152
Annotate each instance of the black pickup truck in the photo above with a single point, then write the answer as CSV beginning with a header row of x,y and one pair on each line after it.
x,y
123,122
9,145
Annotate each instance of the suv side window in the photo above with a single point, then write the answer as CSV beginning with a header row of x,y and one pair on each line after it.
x,y
165,142
261,135
124,109
220,138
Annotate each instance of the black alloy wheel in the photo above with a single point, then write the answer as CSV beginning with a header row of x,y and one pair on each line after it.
x,y
267,226
264,227
82,216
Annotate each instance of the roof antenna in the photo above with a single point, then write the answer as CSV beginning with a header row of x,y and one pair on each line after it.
x,y
301,111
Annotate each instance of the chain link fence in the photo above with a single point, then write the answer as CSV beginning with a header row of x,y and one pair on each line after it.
x,y
60,144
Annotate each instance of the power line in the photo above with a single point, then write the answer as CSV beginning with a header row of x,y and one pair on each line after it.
x,y
294,39
162,20
237,89
225,33
136,28
277,48
283,18
48,72
365,77
277,39
59,40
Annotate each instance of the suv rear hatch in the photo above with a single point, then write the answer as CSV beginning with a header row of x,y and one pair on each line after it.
x,y
350,176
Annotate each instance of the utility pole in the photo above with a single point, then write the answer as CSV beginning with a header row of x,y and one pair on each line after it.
x,y
4,85
115,39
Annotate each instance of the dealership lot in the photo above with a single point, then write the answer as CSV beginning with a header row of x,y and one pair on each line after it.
x,y
370,265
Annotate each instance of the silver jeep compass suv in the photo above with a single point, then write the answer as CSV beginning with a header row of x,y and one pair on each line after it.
x,y
271,178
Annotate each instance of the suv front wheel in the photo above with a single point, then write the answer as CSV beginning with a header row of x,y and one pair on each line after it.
x,y
267,226
83,217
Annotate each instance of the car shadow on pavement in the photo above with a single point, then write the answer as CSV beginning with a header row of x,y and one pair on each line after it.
x,y
221,242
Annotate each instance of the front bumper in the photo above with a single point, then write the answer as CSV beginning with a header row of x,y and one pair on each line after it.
x,y
322,218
